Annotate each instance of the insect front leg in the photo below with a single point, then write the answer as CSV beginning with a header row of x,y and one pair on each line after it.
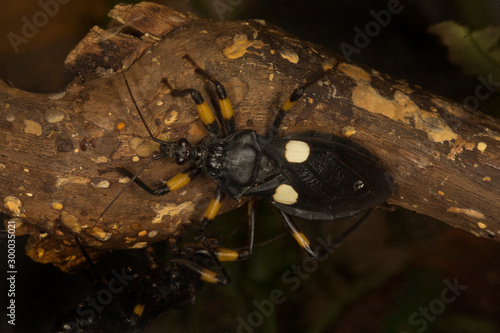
x,y
174,183
206,115
224,104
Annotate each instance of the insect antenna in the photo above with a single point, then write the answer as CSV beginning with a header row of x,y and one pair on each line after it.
x,y
139,111
168,150
154,158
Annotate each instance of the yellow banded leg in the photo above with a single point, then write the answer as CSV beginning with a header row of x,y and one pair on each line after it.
x,y
202,273
212,209
206,115
219,255
175,183
290,102
299,235
224,254
224,103
305,244
137,313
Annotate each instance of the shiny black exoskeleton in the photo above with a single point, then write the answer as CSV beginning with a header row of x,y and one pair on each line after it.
x,y
309,175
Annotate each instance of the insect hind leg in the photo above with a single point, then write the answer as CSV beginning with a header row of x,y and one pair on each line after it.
x,y
306,245
219,255
290,102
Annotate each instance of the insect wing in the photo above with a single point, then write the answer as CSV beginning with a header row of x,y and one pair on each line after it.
x,y
332,177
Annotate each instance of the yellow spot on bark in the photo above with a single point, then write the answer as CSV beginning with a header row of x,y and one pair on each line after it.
x,y
481,225
441,193
348,131
290,56
481,146
174,115
100,234
487,179
57,205
240,46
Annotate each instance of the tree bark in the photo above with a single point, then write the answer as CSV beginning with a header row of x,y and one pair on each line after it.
x,y
59,152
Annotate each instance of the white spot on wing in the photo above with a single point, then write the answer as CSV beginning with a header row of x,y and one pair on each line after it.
x,y
285,194
297,151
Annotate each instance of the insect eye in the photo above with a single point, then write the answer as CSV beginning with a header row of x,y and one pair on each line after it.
x,y
183,151
358,185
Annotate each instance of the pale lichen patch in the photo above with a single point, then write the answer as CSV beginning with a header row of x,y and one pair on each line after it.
x,y
71,179
14,205
467,211
173,116
102,184
71,222
123,180
458,147
139,245
142,147
102,159
53,116
172,210
401,108
32,127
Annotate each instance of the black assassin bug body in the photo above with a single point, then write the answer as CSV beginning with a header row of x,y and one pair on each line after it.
x,y
142,289
309,175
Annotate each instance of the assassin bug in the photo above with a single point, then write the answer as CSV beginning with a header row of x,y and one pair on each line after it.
x,y
132,296
311,175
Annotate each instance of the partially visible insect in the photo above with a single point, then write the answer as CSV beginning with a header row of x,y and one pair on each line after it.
x,y
311,175
135,294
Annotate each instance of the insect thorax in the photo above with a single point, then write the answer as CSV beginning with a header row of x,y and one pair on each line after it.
x,y
237,163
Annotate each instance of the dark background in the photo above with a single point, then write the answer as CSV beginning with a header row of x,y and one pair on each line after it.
x,y
394,265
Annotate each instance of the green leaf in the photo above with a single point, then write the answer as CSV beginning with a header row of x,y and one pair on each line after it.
x,y
476,52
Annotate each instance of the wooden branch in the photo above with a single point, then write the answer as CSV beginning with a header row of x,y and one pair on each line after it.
x,y
59,152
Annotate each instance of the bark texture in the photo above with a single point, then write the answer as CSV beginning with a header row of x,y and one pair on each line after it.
x,y
59,152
